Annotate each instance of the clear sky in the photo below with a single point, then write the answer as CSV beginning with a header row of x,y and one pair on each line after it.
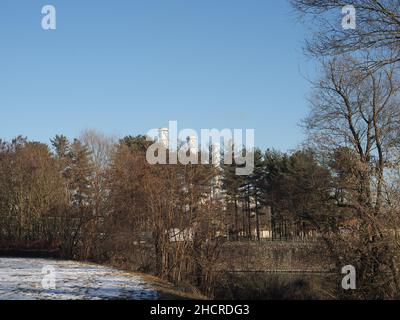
x,y
126,66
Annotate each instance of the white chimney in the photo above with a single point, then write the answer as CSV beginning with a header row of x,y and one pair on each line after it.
x,y
216,154
192,144
216,162
163,137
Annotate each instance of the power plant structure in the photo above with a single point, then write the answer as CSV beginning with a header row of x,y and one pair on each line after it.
x,y
192,146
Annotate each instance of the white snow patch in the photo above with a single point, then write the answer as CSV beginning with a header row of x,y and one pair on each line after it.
x,y
21,279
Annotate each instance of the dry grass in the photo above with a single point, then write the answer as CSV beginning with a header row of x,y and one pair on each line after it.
x,y
262,286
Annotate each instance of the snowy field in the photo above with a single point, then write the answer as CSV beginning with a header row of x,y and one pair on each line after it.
x,y
43,279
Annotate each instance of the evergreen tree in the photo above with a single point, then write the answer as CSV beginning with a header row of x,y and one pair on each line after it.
x,y
80,174
232,184
256,182
61,145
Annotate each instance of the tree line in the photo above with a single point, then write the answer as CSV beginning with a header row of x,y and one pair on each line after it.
x,y
98,199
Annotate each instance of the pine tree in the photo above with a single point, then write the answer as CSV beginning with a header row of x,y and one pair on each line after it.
x,y
80,174
256,181
232,186
61,145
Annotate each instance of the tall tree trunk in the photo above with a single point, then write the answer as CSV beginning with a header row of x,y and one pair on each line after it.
x,y
236,220
257,219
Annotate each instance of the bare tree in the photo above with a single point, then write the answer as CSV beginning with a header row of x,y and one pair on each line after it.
x,y
354,124
99,145
377,28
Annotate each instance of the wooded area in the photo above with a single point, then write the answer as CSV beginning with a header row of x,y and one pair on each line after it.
x,y
96,199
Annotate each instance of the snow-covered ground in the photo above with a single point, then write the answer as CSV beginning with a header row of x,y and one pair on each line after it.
x,y
43,279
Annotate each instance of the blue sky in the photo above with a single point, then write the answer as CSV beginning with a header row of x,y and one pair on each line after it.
x,y
126,66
